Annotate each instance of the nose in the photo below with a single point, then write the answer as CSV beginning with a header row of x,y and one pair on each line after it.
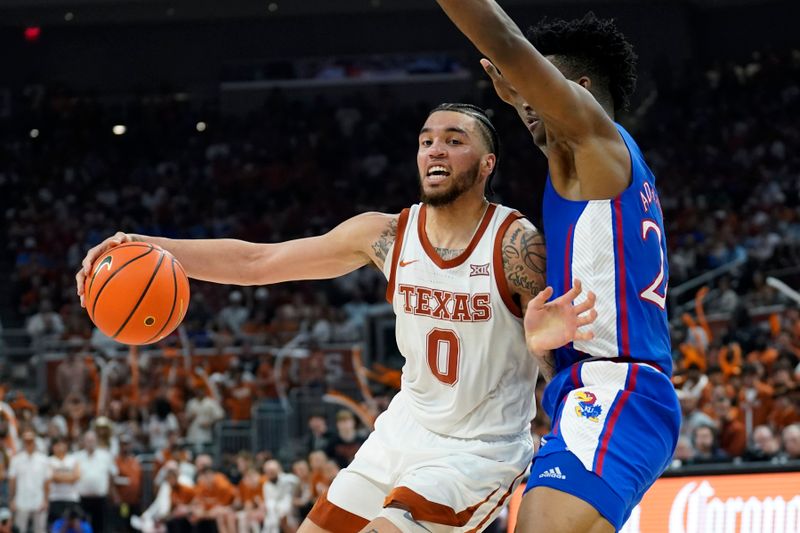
x,y
438,149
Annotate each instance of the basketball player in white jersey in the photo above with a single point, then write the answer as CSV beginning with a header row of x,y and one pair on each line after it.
x,y
455,441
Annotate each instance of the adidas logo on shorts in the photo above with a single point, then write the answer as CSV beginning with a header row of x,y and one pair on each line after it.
x,y
554,473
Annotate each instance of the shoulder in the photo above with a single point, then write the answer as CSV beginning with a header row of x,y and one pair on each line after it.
x,y
522,240
381,230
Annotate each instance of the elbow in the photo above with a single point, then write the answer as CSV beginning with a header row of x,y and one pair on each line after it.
x,y
255,267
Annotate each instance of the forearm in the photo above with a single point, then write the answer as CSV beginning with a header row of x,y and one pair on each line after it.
x,y
227,261
547,363
498,37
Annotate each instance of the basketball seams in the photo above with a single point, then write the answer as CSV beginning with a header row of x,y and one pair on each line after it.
x,y
172,307
105,283
141,296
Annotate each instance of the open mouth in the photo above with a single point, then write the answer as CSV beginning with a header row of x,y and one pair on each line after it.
x,y
437,173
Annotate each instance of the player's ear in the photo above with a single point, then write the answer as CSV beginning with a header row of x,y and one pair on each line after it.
x,y
585,82
488,162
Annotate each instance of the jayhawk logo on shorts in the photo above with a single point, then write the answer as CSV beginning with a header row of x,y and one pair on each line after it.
x,y
587,406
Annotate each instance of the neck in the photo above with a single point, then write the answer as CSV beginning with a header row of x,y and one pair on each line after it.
x,y
451,226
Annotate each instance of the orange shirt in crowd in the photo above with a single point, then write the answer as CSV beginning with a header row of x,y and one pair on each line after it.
x,y
239,401
783,414
248,493
182,495
218,492
319,484
130,492
762,406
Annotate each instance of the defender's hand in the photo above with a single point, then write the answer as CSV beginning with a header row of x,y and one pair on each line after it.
x,y
502,87
551,325
93,254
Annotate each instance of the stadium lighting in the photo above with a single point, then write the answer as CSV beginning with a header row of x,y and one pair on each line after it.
x,y
201,126
119,129
69,16
272,7
34,133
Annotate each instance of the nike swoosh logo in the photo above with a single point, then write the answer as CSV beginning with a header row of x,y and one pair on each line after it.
x,y
406,263
408,516
104,263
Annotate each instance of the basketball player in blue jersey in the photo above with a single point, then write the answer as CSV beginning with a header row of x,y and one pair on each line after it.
x,y
614,411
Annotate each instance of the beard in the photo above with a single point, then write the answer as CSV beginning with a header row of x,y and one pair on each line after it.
x,y
460,183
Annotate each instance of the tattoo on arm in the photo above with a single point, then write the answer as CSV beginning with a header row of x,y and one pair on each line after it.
x,y
447,253
524,261
385,241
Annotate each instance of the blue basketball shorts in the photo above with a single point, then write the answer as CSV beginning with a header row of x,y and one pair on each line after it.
x,y
615,427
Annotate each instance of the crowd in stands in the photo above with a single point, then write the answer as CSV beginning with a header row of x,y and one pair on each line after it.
x,y
97,480
720,144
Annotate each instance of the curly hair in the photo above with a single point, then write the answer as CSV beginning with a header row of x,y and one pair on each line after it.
x,y
590,46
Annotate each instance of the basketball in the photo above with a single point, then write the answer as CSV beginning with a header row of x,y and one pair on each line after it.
x,y
137,293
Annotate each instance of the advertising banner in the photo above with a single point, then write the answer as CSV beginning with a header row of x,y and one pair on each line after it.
x,y
741,503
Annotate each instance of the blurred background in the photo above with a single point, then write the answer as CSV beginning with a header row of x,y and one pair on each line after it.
x,y
268,121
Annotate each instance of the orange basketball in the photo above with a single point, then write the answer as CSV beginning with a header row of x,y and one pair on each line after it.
x,y
137,293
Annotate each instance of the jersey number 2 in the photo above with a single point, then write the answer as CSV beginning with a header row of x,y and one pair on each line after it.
x,y
444,349
651,292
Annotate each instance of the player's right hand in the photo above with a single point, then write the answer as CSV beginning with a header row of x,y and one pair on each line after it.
x,y
86,265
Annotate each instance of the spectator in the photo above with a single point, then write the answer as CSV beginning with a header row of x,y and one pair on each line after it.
x,y
785,412
319,437
732,434
727,299
239,397
29,485
684,453
345,443
233,316
96,485
72,521
202,412
162,426
766,445
278,490
691,415
181,496
105,435
72,377
755,398
302,499
45,326
318,480
791,443
65,473
704,441
129,482
211,504
249,502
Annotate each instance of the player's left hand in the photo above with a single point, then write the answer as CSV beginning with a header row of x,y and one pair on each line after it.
x,y
551,325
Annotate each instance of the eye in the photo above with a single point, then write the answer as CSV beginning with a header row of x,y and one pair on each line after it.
x,y
455,141
426,142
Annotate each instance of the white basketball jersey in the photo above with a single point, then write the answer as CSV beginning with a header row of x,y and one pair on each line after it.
x,y
467,372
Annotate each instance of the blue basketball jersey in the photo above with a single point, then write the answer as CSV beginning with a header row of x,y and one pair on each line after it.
x,y
616,248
